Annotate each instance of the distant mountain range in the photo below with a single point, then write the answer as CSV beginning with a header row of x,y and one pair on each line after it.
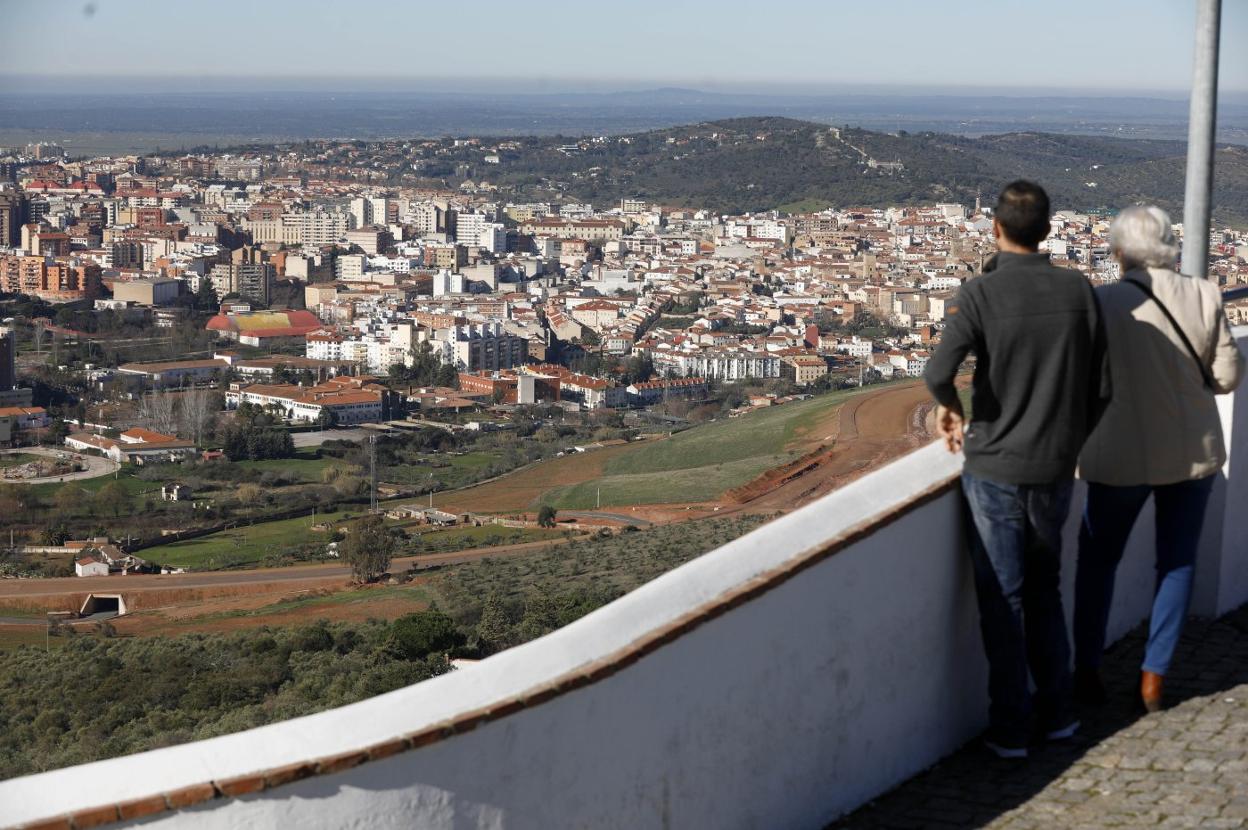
x,y
751,164
114,121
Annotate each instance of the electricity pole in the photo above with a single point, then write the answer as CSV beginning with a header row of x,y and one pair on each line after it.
x,y
372,464
1202,123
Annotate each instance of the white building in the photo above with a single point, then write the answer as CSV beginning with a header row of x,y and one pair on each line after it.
x,y
855,347
444,282
368,210
349,400
725,364
480,346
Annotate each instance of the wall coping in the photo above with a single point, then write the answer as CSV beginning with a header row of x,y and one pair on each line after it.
x,y
580,654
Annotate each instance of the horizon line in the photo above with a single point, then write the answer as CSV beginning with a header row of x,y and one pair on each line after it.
x,y
481,85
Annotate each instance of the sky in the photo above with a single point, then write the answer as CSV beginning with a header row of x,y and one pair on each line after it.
x,y
1080,46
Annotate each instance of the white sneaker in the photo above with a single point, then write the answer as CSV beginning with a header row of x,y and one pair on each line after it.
x,y
1003,751
1067,731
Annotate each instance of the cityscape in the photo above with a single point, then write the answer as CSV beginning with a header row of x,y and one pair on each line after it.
x,y
326,459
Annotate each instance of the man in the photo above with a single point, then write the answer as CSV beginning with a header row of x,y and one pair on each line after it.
x,y
1033,330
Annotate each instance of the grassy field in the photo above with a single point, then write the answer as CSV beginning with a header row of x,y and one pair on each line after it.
x,y
804,206
699,464
462,538
303,465
458,470
24,613
13,636
692,484
134,486
17,459
242,546
354,603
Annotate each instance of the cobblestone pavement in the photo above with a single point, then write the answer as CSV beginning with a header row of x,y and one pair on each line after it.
x,y
1186,766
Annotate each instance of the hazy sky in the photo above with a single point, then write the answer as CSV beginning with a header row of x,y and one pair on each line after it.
x,y
1121,45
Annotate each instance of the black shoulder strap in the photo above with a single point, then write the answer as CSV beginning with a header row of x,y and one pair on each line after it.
x,y
1200,363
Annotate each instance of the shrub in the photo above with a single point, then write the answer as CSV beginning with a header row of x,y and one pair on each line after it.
x,y
418,635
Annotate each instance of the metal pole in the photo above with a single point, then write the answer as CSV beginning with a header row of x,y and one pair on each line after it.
x,y
1202,119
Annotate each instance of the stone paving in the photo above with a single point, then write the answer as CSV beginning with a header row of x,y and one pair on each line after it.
x,y
1186,766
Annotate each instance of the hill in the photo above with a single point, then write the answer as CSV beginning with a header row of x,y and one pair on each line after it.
x,y
754,164
703,463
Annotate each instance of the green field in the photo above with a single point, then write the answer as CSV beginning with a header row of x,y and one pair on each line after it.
x,y
692,484
462,538
460,470
701,463
24,613
303,465
134,486
12,637
16,459
242,546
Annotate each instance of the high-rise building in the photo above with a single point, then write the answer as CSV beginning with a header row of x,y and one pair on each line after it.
x,y
369,210
253,281
8,353
321,227
12,208
427,218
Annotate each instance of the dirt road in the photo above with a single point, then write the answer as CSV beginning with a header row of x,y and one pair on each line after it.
x,y
871,430
146,589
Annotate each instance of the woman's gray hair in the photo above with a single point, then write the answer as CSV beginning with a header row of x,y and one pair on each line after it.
x,y
1142,235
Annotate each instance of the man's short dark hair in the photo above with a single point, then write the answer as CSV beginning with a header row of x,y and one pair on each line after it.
x,y
1023,213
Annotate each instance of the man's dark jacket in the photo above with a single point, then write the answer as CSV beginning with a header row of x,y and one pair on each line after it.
x,y
1033,328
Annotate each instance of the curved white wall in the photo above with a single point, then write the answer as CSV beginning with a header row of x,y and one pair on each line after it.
x,y
778,681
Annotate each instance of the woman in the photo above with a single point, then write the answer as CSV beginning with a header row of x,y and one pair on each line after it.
x,y
1170,351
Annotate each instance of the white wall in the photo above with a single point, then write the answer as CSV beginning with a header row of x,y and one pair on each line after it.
x,y
791,708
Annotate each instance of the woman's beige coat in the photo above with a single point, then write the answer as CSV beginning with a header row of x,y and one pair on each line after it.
x,y
1162,423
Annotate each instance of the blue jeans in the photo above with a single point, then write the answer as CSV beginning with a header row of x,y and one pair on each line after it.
x,y
1107,521
1016,550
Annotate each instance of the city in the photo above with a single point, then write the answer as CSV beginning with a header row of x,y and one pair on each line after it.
x,y
382,446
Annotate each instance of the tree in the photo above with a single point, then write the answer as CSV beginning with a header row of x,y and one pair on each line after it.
x,y
206,296
54,534
250,494
368,548
253,434
67,499
495,628
416,636
157,409
546,516
57,430
112,497
197,412
10,501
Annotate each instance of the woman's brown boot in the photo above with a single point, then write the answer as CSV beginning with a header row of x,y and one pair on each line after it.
x,y
1150,690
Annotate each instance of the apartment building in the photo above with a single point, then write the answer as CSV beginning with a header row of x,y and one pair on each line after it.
x,y
803,369
253,281
591,230
647,393
480,346
723,364
50,279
